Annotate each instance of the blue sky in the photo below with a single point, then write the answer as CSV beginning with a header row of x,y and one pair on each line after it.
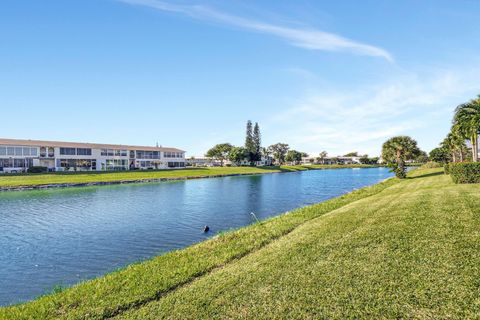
x,y
333,75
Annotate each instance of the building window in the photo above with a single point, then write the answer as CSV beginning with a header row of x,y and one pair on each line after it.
x,y
67,163
120,153
141,154
108,152
75,163
19,163
16,163
84,152
6,163
116,164
65,151
173,154
3,151
176,164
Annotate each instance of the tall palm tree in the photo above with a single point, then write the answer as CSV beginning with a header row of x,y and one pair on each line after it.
x,y
449,144
458,142
455,144
467,120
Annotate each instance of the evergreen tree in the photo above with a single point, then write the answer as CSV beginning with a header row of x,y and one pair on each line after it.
x,y
257,143
249,143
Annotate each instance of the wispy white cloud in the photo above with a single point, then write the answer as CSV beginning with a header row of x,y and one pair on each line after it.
x,y
305,38
361,120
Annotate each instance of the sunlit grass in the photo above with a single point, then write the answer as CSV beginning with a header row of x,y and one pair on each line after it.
x,y
409,251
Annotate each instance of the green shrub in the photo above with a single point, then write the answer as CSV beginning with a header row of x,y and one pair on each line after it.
x,y
431,164
446,168
465,172
37,169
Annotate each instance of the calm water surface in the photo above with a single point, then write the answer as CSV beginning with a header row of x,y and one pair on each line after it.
x,y
59,237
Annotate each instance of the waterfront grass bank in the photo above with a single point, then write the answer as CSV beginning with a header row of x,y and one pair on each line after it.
x,y
399,249
74,179
144,282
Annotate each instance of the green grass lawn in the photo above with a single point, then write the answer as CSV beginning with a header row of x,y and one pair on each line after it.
x,y
25,180
399,249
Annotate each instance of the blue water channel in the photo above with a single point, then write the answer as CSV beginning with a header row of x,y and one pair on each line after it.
x,y
59,237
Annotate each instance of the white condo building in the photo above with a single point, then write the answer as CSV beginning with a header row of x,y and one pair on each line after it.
x,y
19,155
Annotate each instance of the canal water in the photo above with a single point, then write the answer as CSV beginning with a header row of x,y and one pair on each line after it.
x,y
59,237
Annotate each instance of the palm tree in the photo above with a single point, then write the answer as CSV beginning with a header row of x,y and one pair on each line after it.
x,y
397,150
459,142
455,144
467,121
322,156
449,144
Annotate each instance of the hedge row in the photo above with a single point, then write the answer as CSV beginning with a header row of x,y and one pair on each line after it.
x,y
464,172
37,169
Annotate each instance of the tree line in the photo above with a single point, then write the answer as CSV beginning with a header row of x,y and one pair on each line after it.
x,y
252,151
465,127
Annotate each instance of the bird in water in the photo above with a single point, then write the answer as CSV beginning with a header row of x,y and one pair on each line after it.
x,y
206,229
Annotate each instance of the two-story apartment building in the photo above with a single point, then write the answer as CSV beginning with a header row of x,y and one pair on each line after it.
x,y
18,155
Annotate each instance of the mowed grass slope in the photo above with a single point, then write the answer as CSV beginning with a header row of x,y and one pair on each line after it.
x,y
410,251
25,180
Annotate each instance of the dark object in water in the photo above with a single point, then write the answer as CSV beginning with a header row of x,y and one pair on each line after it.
x,y
206,229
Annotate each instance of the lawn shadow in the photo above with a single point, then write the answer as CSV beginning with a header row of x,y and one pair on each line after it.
x,y
425,175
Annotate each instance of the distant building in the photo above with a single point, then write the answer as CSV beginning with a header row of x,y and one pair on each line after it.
x,y
200,162
308,160
349,160
331,160
19,155
264,161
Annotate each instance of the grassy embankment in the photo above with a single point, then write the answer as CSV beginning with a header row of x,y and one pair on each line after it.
x,y
27,180
399,249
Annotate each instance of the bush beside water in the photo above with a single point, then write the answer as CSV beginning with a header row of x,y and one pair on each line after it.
x,y
464,172
431,164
